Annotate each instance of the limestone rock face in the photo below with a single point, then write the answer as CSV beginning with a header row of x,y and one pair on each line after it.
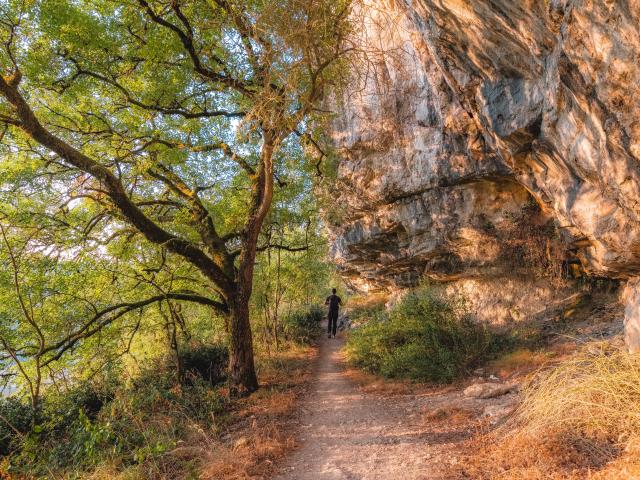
x,y
631,299
553,86
481,120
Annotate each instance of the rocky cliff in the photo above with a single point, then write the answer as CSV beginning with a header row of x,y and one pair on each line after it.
x,y
483,137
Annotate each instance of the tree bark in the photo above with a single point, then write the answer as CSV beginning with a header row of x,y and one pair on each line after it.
x,y
243,374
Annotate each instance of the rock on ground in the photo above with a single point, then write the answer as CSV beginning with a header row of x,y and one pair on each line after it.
x,y
489,390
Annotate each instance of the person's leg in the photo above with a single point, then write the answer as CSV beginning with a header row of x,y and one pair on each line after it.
x,y
329,324
334,323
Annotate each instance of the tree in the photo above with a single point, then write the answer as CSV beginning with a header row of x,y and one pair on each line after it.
x,y
288,280
158,115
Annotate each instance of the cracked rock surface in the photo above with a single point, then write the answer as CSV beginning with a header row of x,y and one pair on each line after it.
x,y
485,114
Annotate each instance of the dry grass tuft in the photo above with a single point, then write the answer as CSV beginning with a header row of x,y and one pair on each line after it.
x,y
579,419
596,393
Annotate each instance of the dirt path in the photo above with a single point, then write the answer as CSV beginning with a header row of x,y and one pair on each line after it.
x,y
349,434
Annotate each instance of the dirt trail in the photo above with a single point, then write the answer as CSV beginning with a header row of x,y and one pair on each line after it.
x,y
349,434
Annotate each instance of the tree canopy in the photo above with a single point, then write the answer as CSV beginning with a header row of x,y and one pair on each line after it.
x,y
143,143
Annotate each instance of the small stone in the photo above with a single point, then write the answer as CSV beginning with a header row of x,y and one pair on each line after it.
x,y
497,412
489,390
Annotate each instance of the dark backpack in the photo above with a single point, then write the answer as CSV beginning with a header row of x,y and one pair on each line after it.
x,y
334,302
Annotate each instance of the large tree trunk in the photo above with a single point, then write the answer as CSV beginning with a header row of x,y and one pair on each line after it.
x,y
243,373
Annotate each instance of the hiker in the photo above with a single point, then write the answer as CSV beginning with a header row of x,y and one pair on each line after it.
x,y
334,302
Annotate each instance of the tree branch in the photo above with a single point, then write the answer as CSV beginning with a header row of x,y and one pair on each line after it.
x,y
156,108
198,66
30,124
97,322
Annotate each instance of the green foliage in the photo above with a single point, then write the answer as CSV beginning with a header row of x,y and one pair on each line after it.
x,y
362,308
288,281
61,411
179,118
423,337
179,128
136,424
303,325
14,415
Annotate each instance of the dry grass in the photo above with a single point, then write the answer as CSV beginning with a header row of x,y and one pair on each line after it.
x,y
370,383
518,362
579,419
368,302
256,449
596,392
262,428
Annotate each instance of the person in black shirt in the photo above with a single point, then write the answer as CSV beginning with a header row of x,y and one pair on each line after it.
x,y
334,303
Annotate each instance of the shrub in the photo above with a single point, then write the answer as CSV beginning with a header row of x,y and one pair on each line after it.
x,y
58,423
208,362
303,325
424,337
60,411
14,415
134,425
148,420
363,308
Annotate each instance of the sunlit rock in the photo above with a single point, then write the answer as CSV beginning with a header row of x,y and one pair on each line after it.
x,y
489,390
482,114
631,298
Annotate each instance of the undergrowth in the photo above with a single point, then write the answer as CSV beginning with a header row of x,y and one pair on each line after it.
x,y
132,424
303,325
158,425
361,309
425,336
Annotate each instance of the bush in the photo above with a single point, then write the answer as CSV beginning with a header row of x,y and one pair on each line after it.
x,y
208,362
303,325
132,425
60,411
363,308
424,337
14,415
149,419
59,416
